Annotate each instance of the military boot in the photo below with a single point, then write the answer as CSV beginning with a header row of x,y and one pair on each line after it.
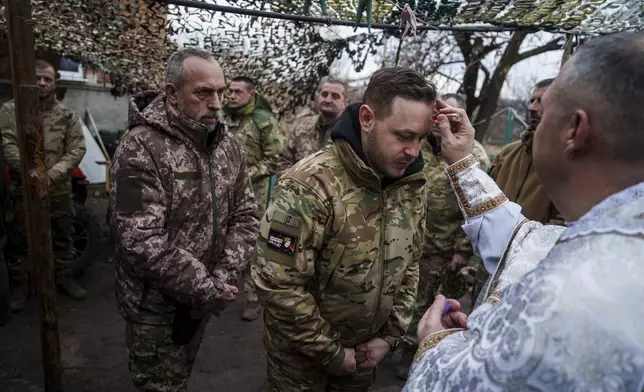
x,y
252,311
407,358
19,296
67,285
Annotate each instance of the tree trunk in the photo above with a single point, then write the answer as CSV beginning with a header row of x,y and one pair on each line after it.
x,y
490,97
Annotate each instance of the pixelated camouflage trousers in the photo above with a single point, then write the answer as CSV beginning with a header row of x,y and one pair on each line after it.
x,y
61,209
436,278
296,373
155,362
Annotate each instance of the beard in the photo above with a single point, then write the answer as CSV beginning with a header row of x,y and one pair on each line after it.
x,y
199,117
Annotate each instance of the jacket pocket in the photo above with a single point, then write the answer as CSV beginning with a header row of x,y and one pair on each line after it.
x,y
333,265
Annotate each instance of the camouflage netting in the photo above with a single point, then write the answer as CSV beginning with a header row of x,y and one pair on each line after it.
x,y
127,40
572,16
286,59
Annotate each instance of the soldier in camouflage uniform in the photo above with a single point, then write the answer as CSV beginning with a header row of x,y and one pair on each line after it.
x,y
184,220
337,265
312,133
446,251
250,119
65,148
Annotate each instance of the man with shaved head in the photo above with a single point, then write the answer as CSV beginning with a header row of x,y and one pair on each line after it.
x,y
184,220
564,309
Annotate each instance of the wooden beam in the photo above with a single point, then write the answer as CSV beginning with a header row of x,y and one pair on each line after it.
x,y
35,183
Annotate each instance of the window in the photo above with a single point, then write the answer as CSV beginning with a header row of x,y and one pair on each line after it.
x,y
71,70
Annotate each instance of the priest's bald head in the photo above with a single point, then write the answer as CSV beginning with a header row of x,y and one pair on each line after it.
x,y
590,142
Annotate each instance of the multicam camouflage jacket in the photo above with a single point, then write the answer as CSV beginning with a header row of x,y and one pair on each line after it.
x,y
444,235
184,217
64,143
308,136
338,252
257,131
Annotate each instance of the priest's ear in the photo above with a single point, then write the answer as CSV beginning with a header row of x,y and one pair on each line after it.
x,y
577,135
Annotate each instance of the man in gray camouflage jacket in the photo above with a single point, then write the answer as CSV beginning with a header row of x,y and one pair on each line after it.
x,y
184,220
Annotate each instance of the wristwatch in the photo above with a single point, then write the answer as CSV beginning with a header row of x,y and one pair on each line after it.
x,y
392,342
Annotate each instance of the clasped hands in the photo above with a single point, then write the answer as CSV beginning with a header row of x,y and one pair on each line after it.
x,y
227,294
364,355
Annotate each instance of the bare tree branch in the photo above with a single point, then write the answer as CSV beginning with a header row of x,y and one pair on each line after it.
x,y
555,44
486,81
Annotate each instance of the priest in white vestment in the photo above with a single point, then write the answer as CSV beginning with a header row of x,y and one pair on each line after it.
x,y
565,308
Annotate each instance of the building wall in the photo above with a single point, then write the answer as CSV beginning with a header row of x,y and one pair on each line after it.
x,y
109,112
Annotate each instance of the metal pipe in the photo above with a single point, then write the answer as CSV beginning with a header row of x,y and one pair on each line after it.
x,y
328,21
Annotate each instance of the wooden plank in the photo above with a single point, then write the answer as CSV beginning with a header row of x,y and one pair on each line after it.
x,y
35,183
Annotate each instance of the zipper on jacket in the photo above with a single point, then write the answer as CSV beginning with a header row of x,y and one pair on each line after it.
x,y
213,202
381,258
213,199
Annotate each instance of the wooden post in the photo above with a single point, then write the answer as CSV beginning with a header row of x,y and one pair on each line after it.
x,y
35,182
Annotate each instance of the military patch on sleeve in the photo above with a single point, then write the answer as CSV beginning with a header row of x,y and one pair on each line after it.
x,y
287,220
282,242
129,192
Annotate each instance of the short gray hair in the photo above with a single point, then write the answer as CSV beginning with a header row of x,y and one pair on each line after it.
x,y
174,68
605,78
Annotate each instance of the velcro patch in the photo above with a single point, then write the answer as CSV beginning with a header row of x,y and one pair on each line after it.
x,y
186,175
287,220
282,242
129,192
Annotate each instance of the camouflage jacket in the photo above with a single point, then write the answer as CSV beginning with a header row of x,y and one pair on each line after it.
x,y
308,136
444,235
184,218
257,131
338,253
64,144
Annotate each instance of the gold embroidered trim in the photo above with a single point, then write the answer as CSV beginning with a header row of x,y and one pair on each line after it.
x,y
479,209
432,341
461,165
495,297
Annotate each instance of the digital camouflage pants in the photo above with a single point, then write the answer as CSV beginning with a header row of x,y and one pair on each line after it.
x,y
295,373
436,278
155,362
61,209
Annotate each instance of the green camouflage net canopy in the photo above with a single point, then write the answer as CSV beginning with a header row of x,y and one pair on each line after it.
x,y
571,16
132,39
288,58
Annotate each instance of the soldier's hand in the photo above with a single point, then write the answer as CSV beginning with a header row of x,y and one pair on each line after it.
x,y
374,351
229,292
456,133
348,365
458,260
433,320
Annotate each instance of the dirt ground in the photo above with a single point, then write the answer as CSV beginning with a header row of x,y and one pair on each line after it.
x,y
92,338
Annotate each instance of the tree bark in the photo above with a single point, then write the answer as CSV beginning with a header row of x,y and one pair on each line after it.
x,y
490,97
35,183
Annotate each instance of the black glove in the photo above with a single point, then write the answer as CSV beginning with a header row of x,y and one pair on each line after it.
x,y
184,327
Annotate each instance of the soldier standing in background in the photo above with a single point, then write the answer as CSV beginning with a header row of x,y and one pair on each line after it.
x,y
65,148
184,220
514,173
337,262
446,249
312,133
251,120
